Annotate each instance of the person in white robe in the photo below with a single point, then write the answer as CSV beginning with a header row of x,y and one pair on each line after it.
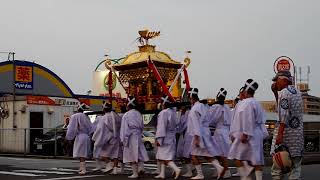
x,y
220,118
155,121
166,138
236,101
203,145
121,165
247,132
80,129
185,140
96,148
107,138
134,151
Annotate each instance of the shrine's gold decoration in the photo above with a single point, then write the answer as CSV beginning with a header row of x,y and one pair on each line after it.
x,y
138,78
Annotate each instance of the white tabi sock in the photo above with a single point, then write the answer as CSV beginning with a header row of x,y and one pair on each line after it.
x,y
83,170
109,167
247,168
175,168
199,172
134,172
162,172
157,171
98,165
243,173
259,175
141,167
115,170
218,167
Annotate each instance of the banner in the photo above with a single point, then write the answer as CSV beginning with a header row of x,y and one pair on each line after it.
x,y
23,75
52,101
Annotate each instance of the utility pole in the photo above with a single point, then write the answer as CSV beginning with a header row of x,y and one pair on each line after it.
x,y
11,54
14,92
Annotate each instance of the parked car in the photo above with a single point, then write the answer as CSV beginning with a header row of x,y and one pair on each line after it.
x,y
148,139
311,141
45,144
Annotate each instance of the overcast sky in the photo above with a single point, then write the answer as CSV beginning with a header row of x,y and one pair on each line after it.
x,y
230,41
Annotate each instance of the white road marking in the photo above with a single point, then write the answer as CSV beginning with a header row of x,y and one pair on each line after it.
x,y
73,177
145,165
88,161
228,167
130,169
19,174
150,165
44,172
63,169
16,159
21,159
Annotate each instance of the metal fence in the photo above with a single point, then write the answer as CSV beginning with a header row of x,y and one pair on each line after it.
x,y
35,141
52,142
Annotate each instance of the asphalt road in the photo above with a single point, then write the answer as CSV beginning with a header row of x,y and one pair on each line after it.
x,y
16,168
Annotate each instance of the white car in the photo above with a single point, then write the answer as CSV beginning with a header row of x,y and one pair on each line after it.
x,y
148,139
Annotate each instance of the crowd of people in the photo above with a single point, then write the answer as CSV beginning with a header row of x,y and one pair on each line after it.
x,y
238,135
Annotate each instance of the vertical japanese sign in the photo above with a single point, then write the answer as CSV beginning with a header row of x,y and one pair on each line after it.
x,y
23,75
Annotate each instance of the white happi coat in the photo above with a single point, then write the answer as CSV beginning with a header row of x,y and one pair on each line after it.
x,y
166,134
249,119
185,139
220,118
80,128
130,135
198,125
107,135
290,111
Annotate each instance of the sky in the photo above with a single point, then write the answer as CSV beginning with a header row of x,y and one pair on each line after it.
x,y
230,41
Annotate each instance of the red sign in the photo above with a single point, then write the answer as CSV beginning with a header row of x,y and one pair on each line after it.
x,y
23,77
24,73
40,100
85,101
283,63
52,101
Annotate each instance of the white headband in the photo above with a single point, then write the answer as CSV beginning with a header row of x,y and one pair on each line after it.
x,y
165,100
193,92
250,86
131,101
221,93
82,106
